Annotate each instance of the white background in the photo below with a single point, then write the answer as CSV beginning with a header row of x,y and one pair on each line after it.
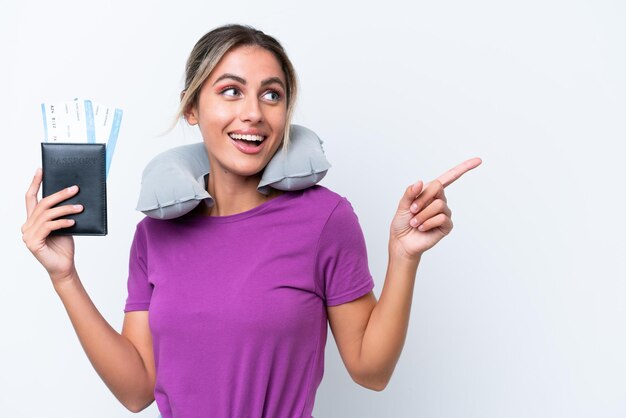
x,y
520,312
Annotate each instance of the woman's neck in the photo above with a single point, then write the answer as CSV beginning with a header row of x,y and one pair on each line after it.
x,y
234,194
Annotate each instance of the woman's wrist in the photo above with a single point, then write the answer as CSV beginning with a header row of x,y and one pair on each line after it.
x,y
399,256
64,280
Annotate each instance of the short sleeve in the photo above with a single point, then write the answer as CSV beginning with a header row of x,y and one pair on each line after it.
x,y
342,268
139,288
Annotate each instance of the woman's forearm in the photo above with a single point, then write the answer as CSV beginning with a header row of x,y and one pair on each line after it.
x,y
113,356
423,218
386,330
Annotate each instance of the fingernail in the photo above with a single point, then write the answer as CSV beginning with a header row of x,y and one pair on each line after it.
x,y
72,189
414,207
421,227
413,222
78,207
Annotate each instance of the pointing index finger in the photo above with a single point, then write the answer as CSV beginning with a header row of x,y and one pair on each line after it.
x,y
455,173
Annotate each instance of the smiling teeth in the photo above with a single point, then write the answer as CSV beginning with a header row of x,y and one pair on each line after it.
x,y
257,138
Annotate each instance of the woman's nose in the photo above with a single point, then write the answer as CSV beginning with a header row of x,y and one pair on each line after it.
x,y
251,110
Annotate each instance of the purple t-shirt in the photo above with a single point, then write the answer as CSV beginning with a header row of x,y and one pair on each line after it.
x,y
238,303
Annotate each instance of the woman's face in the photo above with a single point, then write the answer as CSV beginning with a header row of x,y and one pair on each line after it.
x,y
241,111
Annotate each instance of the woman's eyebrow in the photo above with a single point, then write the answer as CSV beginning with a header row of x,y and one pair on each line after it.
x,y
272,80
241,80
232,76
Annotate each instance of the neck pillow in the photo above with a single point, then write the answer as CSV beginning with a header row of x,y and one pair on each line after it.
x,y
172,184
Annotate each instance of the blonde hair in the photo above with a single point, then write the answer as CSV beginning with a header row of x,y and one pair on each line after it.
x,y
210,49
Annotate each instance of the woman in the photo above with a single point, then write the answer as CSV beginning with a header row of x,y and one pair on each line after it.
x,y
240,292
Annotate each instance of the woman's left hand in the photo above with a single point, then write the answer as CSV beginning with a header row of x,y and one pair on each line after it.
x,y
423,217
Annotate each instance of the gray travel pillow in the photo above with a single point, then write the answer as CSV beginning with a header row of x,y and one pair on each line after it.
x,y
172,183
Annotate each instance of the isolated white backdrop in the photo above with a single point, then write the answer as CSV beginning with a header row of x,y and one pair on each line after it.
x,y
520,312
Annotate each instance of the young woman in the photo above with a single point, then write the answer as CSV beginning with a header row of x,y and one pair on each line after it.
x,y
228,306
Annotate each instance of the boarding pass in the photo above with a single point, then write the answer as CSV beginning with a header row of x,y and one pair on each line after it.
x,y
82,121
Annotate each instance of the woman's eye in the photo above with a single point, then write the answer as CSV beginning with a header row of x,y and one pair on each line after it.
x,y
272,96
231,91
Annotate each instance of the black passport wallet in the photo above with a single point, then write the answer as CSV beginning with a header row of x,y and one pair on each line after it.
x,y
65,165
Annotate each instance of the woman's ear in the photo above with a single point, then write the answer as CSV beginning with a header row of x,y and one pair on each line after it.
x,y
190,112
190,115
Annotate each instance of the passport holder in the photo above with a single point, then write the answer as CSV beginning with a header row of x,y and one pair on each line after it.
x,y
65,165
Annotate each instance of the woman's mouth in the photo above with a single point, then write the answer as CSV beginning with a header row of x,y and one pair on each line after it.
x,y
246,143
254,140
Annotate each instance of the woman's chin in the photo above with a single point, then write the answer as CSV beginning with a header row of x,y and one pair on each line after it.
x,y
240,165
253,171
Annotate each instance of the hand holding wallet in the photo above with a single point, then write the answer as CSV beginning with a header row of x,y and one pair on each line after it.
x,y
84,165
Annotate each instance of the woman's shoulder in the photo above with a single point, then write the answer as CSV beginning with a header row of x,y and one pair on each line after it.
x,y
325,199
153,225
322,195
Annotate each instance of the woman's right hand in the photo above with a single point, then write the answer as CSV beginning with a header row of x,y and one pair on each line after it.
x,y
55,253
